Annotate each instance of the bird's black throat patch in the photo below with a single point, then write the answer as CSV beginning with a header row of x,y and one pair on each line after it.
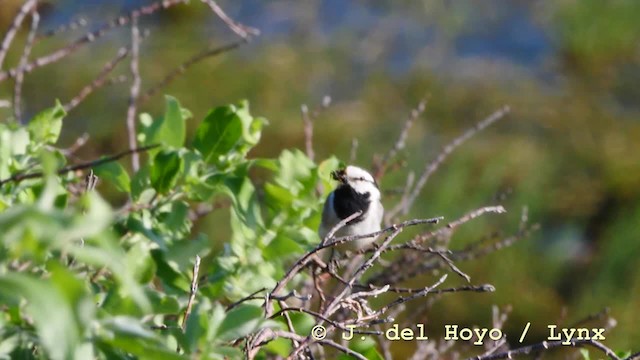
x,y
347,201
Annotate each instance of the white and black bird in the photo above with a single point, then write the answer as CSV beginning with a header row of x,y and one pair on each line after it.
x,y
357,191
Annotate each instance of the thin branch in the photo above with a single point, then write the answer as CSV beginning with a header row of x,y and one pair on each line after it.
x,y
335,303
325,319
251,296
13,29
398,270
25,176
381,167
91,37
545,345
134,91
453,266
339,226
308,118
73,25
241,30
98,82
182,68
192,293
471,288
302,262
308,132
431,167
353,153
422,293
17,89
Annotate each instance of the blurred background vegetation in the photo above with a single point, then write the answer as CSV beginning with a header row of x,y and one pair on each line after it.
x,y
570,150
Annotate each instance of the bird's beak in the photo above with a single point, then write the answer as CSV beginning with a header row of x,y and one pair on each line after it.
x,y
339,175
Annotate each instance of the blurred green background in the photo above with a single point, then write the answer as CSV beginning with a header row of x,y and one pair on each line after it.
x,y
570,149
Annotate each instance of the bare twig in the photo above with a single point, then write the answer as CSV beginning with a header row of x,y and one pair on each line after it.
x,y
73,25
308,118
431,167
17,89
90,37
547,345
251,296
80,142
381,167
182,68
453,266
192,293
325,319
393,274
34,175
353,153
339,226
471,288
134,91
308,132
302,262
241,30
336,302
413,296
602,314
98,82
13,29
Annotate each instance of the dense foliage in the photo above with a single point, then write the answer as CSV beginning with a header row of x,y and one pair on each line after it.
x,y
80,279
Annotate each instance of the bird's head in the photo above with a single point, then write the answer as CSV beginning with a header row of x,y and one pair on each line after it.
x,y
358,179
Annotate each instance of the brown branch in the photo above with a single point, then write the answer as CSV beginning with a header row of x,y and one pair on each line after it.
x,y
91,37
452,266
134,91
393,274
192,293
335,303
13,29
404,299
73,25
17,89
251,296
545,345
308,132
381,167
431,167
34,175
308,119
471,288
302,262
353,153
98,82
339,226
241,30
325,319
182,68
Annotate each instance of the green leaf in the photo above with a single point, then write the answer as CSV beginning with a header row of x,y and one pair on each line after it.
x,y
129,335
585,354
173,127
169,130
114,173
240,322
45,127
140,262
280,247
218,133
167,166
50,308
140,182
